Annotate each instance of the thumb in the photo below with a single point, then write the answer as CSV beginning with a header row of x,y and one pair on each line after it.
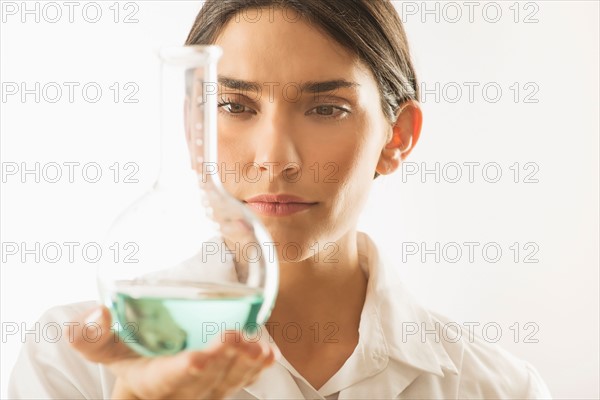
x,y
95,339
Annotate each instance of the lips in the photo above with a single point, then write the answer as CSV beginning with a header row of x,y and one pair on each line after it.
x,y
278,205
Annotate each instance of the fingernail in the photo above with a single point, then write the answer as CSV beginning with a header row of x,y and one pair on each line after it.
x,y
95,316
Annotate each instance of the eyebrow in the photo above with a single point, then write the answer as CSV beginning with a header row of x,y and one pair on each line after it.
x,y
306,87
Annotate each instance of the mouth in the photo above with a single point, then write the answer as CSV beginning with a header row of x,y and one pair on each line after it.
x,y
273,205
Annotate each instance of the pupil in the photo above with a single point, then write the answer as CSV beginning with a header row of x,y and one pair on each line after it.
x,y
325,109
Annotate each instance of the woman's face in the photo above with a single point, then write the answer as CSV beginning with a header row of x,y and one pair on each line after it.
x,y
321,143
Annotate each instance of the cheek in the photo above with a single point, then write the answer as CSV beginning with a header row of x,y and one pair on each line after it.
x,y
356,176
236,143
233,160
357,163
356,158
228,146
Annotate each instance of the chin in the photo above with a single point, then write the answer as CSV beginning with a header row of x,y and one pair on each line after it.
x,y
293,244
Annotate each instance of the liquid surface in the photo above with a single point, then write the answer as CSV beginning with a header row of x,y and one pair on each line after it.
x,y
169,317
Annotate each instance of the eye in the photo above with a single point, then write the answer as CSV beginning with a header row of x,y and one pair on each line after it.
x,y
232,108
329,111
325,110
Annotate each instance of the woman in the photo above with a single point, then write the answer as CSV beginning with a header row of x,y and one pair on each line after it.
x,y
303,84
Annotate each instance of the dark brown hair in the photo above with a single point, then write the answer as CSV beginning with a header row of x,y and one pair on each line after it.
x,y
369,28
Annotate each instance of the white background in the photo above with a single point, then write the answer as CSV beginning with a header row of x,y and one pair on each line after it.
x,y
557,55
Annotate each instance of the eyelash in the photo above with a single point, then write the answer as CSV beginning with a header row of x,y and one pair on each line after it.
x,y
228,102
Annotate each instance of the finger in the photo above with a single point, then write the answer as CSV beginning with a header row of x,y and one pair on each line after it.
x,y
95,340
217,373
189,374
164,376
254,371
219,358
252,359
256,364
213,371
122,392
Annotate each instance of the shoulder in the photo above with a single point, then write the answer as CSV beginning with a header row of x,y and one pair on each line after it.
x,y
47,366
485,369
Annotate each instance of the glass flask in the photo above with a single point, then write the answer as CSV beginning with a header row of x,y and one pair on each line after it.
x,y
189,261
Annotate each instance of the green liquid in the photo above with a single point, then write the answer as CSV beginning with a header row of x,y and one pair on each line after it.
x,y
170,317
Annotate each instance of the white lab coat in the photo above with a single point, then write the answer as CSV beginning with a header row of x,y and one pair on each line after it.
x,y
391,360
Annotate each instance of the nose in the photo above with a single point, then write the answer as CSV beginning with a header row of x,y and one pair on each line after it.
x,y
276,148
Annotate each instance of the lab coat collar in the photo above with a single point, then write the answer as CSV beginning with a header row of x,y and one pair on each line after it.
x,y
399,315
387,359
390,316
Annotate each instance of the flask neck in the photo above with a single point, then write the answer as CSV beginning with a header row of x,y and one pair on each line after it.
x,y
188,132
175,169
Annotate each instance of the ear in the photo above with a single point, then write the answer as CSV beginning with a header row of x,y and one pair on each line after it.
x,y
403,137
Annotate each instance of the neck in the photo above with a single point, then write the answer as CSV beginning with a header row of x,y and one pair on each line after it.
x,y
335,262
332,285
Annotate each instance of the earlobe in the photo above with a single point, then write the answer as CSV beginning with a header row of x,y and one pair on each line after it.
x,y
404,136
389,160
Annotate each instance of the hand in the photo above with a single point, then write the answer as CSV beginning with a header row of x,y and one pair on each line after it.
x,y
214,373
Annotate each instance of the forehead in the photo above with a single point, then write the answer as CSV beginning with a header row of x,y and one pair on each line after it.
x,y
276,45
